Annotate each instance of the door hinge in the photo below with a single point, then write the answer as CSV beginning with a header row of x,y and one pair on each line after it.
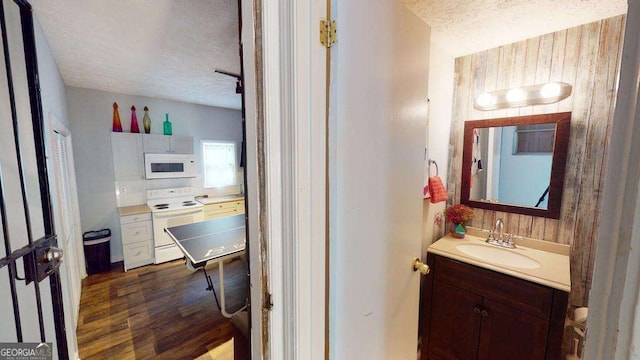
x,y
268,303
328,33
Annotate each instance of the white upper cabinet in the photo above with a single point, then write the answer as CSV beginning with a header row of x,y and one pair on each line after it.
x,y
182,144
159,144
128,157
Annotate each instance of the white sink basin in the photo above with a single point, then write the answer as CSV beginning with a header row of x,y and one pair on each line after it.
x,y
498,256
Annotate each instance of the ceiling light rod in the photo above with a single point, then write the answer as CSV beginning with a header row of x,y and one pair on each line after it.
x,y
539,94
237,76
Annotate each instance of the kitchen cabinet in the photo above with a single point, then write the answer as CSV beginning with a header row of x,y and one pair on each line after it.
x,y
214,210
172,144
474,313
128,156
137,240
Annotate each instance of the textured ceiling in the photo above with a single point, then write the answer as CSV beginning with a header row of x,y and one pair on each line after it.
x,y
467,26
157,48
169,48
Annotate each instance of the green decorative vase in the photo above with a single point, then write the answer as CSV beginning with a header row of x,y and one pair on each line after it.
x,y
457,230
167,125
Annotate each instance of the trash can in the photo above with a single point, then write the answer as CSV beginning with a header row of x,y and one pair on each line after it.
x,y
97,250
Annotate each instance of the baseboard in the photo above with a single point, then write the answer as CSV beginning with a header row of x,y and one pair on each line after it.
x,y
117,258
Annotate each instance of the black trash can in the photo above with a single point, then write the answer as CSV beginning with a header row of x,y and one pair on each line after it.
x,y
97,250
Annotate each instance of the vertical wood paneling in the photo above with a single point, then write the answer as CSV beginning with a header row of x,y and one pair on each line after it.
x,y
587,57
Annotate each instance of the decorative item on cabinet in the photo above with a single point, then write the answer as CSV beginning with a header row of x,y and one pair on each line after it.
x,y
458,215
117,126
146,121
134,120
167,125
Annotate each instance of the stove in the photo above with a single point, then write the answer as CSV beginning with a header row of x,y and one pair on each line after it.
x,y
171,207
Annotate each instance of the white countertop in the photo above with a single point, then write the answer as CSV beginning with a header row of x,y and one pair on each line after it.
x,y
553,258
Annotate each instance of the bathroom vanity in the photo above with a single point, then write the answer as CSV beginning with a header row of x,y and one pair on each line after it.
x,y
485,302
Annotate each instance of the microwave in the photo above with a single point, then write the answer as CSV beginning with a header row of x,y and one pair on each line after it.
x,y
169,166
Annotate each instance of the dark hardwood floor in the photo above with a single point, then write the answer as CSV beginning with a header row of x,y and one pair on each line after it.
x,y
156,312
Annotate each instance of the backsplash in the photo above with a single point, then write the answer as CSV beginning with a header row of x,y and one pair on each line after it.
x,y
134,192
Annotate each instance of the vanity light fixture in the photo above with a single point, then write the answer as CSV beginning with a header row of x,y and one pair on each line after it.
x,y
539,94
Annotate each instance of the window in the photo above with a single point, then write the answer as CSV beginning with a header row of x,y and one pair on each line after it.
x,y
219,163
537,138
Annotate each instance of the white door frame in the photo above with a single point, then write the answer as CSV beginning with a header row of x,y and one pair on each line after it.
x,y
294,83
614,307
252,188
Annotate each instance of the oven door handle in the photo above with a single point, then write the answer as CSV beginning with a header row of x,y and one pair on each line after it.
x,y
173,214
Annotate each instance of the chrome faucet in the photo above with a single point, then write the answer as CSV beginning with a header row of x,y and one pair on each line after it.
x,y
499,228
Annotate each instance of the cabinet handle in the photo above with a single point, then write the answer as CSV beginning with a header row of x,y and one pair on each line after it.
x,y
476,310
485,313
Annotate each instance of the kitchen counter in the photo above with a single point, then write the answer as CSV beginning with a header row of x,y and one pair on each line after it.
x,y
134,210
554,269
219,199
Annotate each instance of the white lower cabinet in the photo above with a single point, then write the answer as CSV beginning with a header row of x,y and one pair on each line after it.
x,y
222,209
137,240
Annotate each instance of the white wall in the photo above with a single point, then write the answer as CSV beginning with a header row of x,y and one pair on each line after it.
x,y
441,80
91,115
54,101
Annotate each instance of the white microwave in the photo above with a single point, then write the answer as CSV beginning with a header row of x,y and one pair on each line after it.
x,y
169,166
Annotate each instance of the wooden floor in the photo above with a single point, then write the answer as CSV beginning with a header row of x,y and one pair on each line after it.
x,y
158,312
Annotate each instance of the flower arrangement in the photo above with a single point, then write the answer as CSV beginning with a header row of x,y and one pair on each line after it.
x,y
459,214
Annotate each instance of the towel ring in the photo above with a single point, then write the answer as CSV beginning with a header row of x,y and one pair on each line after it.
x,y
433,162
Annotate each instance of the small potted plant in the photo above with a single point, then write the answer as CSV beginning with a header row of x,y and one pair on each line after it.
x,y
458,215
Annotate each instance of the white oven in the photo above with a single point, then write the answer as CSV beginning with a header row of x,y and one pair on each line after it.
x,y
171,207
169,166
165,248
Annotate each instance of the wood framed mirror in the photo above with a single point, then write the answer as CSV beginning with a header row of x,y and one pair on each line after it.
x,y
516,164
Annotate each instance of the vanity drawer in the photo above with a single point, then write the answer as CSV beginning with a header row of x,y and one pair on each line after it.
x,y
138,231
532,298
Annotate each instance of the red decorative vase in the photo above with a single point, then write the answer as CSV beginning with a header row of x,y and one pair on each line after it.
x,y
134,120
117,126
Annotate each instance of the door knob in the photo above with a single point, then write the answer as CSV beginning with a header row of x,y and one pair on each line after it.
x,y
420,266
54,255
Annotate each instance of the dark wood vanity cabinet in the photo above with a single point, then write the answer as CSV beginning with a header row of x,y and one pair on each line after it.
x,y
474,313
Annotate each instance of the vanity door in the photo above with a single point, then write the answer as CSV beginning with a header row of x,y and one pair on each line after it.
x,y
508,333
455,323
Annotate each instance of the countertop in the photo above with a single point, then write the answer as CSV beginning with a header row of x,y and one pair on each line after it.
x,y
134,210
554,271
219,199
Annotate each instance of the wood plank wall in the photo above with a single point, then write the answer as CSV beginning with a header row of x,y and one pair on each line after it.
x,y
588,58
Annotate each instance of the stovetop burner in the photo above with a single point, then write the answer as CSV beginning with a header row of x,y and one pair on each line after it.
x,y
188,203
161,206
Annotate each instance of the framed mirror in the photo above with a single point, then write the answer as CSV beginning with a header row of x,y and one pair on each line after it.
x,y
516,164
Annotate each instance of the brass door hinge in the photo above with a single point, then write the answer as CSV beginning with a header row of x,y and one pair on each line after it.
x,y
327,33
268,304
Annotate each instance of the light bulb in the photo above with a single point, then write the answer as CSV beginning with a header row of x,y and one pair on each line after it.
x,y
515,95
485,99
550,90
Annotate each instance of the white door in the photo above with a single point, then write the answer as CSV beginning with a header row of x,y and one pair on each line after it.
x,y
66,215
378,114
